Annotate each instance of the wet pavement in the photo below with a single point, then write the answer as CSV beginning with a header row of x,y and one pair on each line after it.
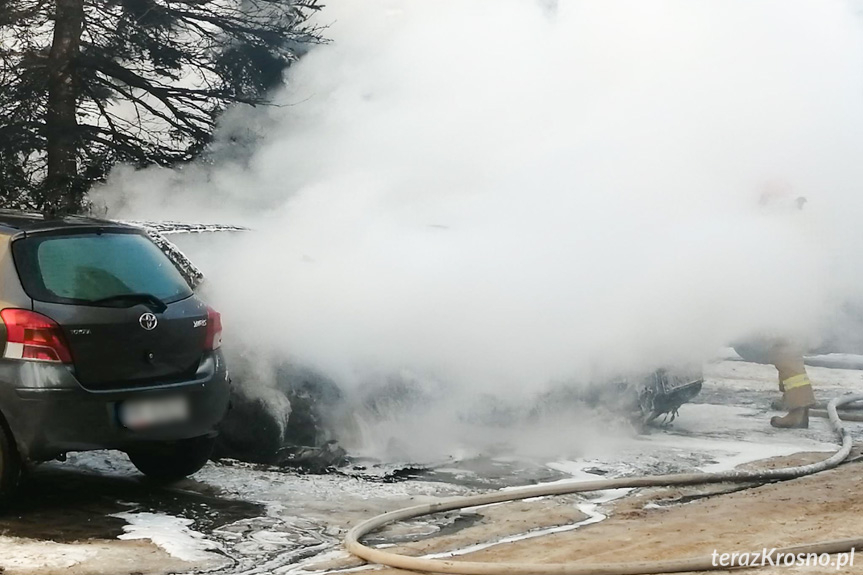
x,y
66,503
266,520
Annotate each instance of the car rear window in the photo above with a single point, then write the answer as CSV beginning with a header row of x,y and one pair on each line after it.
x,y
86,267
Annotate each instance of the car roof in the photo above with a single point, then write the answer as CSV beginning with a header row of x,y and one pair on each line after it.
x,y
14,221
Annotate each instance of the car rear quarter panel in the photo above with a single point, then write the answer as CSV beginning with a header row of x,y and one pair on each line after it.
x,y
12,294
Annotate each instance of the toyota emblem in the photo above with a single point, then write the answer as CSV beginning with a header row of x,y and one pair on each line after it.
x,y
148,321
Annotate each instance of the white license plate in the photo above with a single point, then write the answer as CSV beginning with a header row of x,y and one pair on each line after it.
x,y
141,413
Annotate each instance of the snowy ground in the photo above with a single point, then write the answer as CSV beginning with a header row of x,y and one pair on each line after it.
x,y
94,511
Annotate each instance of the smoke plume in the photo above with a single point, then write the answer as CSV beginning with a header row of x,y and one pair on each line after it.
x,y
499,194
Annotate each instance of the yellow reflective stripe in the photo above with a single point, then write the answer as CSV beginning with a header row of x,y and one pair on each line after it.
x,y
796,381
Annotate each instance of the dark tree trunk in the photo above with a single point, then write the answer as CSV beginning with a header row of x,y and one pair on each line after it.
x,y
63,192
137,81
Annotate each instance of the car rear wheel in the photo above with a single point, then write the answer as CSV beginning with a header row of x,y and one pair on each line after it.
x,y
10,463
175,460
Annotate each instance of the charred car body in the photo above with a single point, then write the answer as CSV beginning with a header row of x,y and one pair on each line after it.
x,y
656,396
104,346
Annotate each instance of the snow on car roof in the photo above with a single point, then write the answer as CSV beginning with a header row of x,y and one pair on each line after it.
x,y
169,227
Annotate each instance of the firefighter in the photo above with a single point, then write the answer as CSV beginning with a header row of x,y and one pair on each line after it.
x,y
797,394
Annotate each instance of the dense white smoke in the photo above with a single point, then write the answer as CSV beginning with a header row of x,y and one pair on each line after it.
x,y
503,193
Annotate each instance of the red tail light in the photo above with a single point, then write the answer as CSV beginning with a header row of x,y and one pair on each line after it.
x,y
34,337
214,329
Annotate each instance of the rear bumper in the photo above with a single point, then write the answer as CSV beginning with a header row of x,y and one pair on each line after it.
x,y
49,413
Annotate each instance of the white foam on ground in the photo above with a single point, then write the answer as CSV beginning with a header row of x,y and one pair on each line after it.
x,y
721,436
729,454
171,534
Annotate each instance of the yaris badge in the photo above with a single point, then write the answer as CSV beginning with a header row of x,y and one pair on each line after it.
x,y
148,321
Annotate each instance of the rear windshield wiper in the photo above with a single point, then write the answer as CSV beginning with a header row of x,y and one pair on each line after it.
x,y
131,299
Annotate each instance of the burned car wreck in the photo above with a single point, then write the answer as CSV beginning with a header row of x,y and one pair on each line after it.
x,y
651,398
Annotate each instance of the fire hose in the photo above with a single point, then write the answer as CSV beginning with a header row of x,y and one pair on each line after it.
x,y
706,563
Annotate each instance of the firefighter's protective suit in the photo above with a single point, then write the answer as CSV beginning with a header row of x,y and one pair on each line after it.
x,y
797,395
